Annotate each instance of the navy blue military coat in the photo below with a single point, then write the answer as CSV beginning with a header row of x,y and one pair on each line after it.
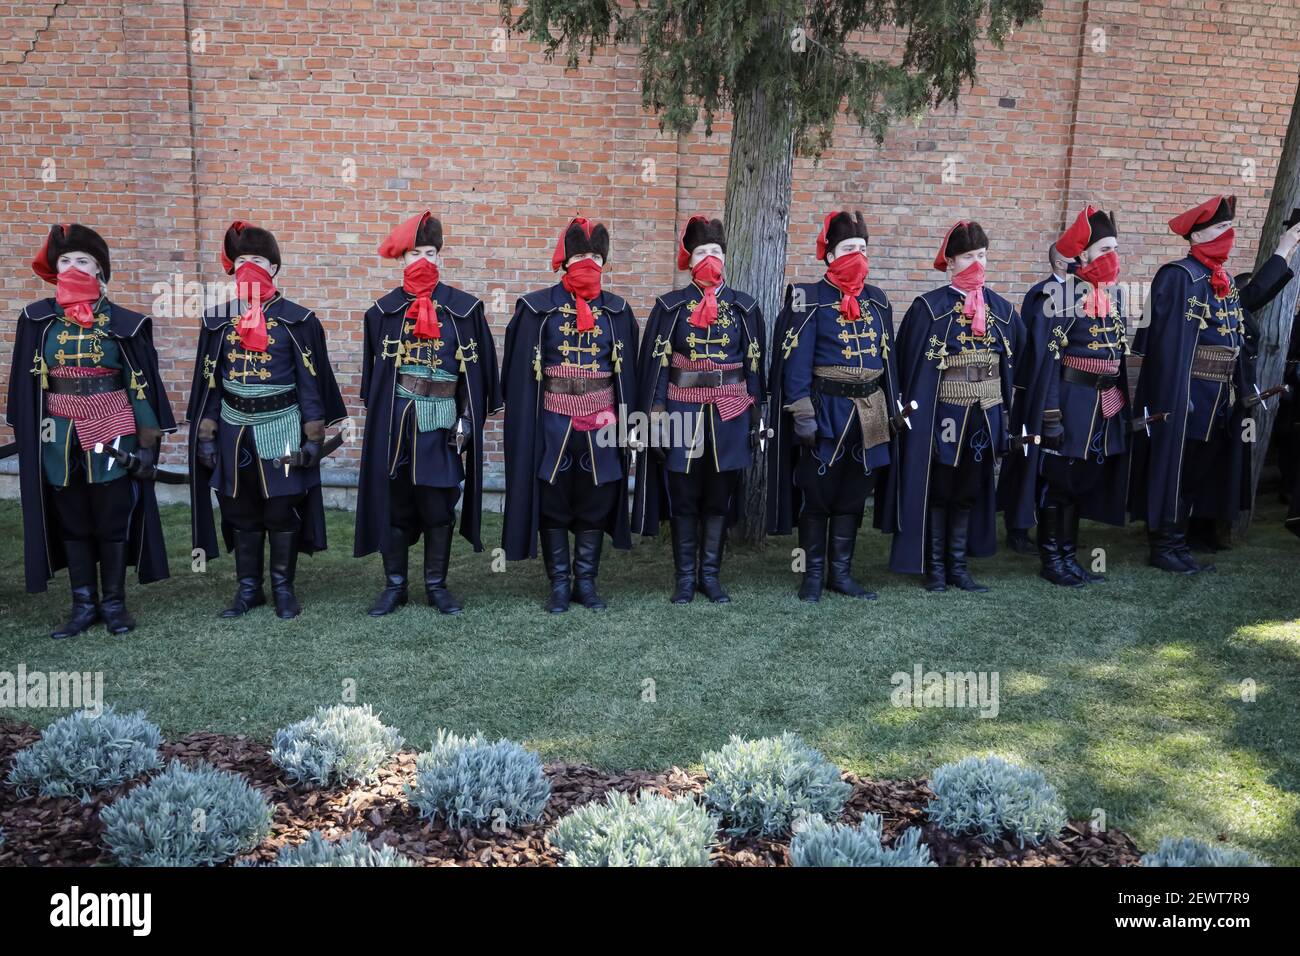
x,y
43,553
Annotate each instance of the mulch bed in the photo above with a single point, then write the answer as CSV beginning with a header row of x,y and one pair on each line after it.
x,y
60,831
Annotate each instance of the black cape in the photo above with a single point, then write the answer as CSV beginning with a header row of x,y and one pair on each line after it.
x,y
310,338
477,354
43,553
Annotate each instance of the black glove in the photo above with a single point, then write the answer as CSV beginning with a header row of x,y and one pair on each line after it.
x,y
309,454
460,440
1053,433
805,431
143,464
206,452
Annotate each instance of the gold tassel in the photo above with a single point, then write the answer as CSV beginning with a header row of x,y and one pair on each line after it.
x,y
41,369
537,363
618,358
753,356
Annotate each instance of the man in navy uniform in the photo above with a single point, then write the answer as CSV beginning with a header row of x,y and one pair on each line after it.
x,y
956,359
1196,462
85,374
568,373
1016,482
1075,396
702,363
834,387
428,380
263,394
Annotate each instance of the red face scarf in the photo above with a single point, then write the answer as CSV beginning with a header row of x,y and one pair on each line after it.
x,y
707,274
1099,273
77,291
1213,255
848,273
971,281
582,280
419,279
254,286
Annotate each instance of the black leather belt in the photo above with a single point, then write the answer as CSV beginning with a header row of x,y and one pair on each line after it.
x,y
1091,379
90,385
252,405
711,378
427,387
828,386
971,373
576,386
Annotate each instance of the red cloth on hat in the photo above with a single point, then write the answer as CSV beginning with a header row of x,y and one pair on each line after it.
x,y
1213,255
1099,273
1185,223
582,280
41,261
77,292
821,236
226,262
558,256
253,285
420,278
848,273
941,260
971,281
707,274
402,239
1079,236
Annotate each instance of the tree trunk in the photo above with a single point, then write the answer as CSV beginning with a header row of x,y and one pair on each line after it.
x,y
1274,321
759,182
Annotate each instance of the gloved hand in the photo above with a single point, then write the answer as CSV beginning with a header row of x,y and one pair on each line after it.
x,y
205,448
143,464
459,434
309,454
805,421
1053,431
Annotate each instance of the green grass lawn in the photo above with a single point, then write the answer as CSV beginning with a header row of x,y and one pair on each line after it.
x,y
1128,695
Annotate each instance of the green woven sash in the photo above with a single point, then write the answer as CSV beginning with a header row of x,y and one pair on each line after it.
x,y
431,412
273,432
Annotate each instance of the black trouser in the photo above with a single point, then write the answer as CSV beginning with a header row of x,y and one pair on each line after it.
x,y
420,506
960,485
841,490
249,511
702,491
1200,458
92,512
574,503
1069,479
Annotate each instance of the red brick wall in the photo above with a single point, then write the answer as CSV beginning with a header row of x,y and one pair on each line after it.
x,y
328,124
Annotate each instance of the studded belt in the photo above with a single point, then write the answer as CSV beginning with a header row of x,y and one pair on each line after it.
x,y
260,404
845,389
89,385
576,386
1214,363
711,378
971,373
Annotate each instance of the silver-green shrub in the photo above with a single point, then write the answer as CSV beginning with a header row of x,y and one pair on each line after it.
x,y
818,843
84,752
654,831
186,816
471,781
355,850
761,786
992,798
1189,852
335,745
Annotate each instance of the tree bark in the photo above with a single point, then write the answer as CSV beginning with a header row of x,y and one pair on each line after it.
x,y
1274,321
759,183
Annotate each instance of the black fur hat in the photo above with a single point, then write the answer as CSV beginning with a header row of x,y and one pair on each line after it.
x,y
701,232
245,240
576,242
845,226
429,233
77,238
964,238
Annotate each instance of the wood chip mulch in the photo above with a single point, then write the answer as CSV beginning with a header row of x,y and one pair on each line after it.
x,y
60,831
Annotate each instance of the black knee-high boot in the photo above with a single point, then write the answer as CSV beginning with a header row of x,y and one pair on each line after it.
x,y
249,564
112,572
555,554
586,567
843,542
284,568
437,558
936,548
958,549
712,543
1050,528
1070,544
685,557
812,540
85,594
396,567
